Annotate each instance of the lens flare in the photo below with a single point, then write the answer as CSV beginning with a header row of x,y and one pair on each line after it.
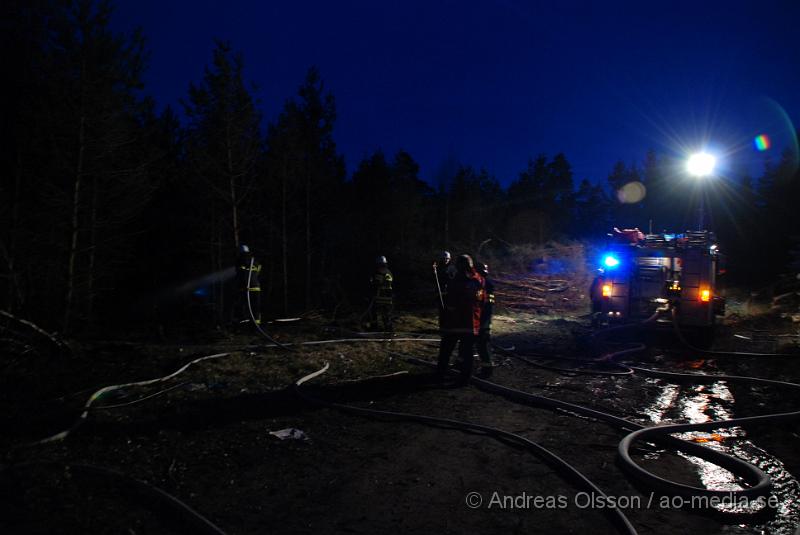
x,y
762,142
631,193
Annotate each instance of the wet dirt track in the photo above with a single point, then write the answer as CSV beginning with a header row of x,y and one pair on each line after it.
x,y
211,447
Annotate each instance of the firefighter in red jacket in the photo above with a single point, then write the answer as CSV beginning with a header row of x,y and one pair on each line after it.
x,y
461,320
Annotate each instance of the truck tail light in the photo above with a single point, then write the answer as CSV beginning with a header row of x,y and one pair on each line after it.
x,y
607,290
705,295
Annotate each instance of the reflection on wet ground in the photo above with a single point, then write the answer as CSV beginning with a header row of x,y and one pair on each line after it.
x,y
703,403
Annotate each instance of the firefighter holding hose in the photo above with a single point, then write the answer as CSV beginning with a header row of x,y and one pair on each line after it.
x,y
248,295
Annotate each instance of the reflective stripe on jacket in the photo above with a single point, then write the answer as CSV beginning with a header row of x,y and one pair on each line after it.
x,y
244,272
382,286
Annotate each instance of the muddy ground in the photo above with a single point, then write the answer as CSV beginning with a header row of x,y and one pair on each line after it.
x,y
207,440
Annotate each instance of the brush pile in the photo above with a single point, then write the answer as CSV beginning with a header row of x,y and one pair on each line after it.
x,y
553,279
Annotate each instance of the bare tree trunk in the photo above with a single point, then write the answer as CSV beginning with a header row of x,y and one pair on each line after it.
x,y
270,283
74,223
219,314
232,182
76,201
92,251
308,238
284,238
212,238
220,284
13,287
14,291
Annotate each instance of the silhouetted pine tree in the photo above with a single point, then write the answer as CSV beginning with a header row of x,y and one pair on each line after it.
x,y
779,222
410,207
371,193
559,194
23,29
528,218
626,214
475,198
310,175
591,212
83,159
223,149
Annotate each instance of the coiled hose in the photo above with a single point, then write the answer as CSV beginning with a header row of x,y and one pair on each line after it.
x,y
759,480
761,488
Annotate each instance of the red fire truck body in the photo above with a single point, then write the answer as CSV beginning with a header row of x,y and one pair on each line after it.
x,y
642,273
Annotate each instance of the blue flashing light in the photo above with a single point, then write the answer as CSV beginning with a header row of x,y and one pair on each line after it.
x,y
610,261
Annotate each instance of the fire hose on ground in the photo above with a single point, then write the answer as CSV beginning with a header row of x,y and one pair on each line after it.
x,y
90,406
250,310
756,477
761,489
737,466
614,514
760,482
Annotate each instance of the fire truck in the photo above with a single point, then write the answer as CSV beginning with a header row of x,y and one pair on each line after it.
x,y
641,273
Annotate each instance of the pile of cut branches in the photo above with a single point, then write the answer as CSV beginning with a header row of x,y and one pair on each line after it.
x,y
541,293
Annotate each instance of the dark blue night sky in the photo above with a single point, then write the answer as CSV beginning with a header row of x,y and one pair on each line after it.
x,y
494,83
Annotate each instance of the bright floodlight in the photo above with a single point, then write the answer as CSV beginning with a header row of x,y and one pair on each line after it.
x,y
701,164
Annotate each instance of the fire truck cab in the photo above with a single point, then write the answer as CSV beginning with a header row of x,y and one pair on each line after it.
x,y
641,273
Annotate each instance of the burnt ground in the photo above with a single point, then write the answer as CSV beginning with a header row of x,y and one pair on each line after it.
x,y
207,441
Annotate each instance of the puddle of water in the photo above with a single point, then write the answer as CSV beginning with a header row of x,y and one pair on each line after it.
x,y
665,400
703,403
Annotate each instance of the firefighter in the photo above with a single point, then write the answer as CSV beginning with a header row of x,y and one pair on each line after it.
x,y
381,283
444,271
247,285
461,318
596,296
485,334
